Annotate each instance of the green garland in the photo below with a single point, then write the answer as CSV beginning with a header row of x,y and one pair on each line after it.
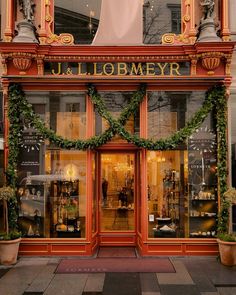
x,y
18,104
221,126
214,101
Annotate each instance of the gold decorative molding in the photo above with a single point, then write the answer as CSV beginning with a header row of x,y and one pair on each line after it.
x,y
171,38
7,38
4,65
194,60
63,39
226,38
228,58
40,64
168,38
131,58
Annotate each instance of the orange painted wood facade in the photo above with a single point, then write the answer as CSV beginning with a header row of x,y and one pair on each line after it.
x,y
24,63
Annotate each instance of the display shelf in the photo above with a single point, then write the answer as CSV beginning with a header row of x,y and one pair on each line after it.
x,y
207,200
203,217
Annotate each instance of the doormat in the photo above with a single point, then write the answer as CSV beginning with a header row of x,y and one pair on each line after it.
x,y
118,252
158,265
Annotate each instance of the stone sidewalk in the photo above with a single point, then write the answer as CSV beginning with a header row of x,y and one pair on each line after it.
x,y
194,276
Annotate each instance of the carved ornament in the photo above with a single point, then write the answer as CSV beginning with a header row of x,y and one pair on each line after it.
x,y
171,38
63,39
22,61
211,61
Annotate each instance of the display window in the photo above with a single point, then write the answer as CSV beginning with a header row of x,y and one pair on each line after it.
x,y
52,181
182,183
54,204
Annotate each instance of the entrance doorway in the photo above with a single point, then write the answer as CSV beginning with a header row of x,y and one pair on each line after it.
x,y
117,195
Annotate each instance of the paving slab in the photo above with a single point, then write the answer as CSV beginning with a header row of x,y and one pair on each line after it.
x,y
54,260
219,274
94,282
122,284
181,277
17,279
3,271
179,290
151,293
43,279
227,290
197,273
31,262
67,284
149,283
32,293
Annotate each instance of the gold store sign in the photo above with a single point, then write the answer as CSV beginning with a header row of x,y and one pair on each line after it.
x,y
118,69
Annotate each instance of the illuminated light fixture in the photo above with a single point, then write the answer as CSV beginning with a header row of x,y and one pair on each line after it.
x,y
123,167
71,172
91,14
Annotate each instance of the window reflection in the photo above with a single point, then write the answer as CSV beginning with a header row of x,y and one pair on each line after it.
x,y
115,103
78,18
161,17
182,184
167,192
166,113
81,19
52,181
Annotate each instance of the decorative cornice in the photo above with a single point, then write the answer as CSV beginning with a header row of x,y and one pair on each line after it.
x,y
201,55
126,58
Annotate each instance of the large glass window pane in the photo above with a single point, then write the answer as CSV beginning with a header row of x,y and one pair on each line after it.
x,y
52,181
115,103
167,194
78,18
166,113
81,19
161,17
68,193
202,168
182,184
68,114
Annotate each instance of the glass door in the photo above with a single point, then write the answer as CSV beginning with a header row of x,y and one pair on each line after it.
x,y
117,192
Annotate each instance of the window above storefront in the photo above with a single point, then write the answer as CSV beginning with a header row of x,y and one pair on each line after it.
x,y
82,18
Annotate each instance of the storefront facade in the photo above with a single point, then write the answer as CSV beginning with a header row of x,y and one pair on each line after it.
x,y
115,144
